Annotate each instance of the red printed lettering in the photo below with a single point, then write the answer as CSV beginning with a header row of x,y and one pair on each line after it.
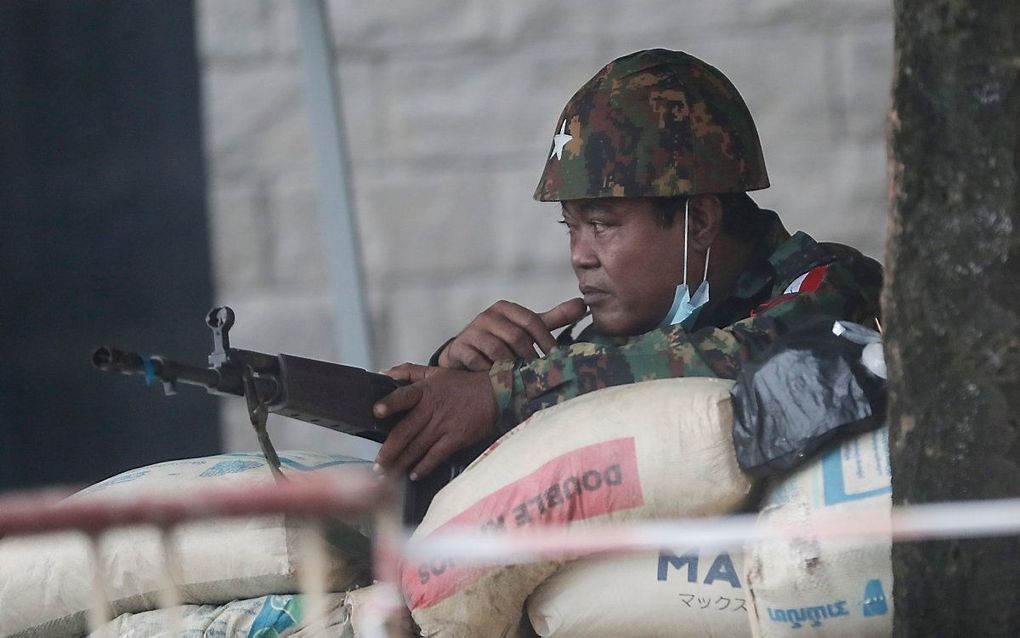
x,y
591,480
584,483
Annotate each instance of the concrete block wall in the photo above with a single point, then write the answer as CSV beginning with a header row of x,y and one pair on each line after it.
x,y
450,106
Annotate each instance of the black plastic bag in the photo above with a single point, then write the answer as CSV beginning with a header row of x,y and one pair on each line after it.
x,y
807,388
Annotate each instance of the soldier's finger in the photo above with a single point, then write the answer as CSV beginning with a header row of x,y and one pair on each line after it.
x,y
517,340
416,449
564,314
438,452
467,357
400,400
402,434
493,346
531,323
407,372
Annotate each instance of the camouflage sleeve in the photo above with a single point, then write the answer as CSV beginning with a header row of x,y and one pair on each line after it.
x,y
523,387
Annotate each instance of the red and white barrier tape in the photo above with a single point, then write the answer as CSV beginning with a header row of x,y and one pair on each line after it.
x,y
353,493
906,523
363,492
310,496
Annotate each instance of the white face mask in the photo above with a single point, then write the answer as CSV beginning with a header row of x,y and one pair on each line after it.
x,y
684,305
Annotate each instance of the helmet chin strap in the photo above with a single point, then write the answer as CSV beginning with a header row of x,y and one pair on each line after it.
x,y
684,305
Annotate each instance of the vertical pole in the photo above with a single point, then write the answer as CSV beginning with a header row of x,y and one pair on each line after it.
x,y
335,201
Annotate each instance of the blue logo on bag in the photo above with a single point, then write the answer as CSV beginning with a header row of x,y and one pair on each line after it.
x,y
126,477
813,616
847,457
231,467
874,599
278,614
330,460
721,569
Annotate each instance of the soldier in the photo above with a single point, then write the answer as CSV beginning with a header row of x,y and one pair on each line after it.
x,y
651,162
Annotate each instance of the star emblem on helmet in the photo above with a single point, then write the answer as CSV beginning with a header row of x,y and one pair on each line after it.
x,y
560,140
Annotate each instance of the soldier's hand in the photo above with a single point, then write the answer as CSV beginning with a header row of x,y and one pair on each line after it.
x,y
507,330
446,410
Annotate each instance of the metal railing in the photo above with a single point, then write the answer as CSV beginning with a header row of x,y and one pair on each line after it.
x,y
357,493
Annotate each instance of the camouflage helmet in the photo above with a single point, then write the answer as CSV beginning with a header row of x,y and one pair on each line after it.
x,y
654,123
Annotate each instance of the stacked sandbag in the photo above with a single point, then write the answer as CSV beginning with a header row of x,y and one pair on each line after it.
x,y
46,580
276,616
665,594
369,607
814,586
652,450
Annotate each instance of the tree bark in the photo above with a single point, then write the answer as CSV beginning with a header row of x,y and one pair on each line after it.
x,y
952,304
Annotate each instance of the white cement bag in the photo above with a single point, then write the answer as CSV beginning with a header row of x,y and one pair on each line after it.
x,y
268,616
657,449
366,608
811,586
665,594
45,579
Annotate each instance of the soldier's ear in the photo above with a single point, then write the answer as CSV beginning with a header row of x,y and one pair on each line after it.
x,y
705,218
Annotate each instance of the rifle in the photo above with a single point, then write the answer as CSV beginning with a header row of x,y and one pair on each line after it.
x,y
327,394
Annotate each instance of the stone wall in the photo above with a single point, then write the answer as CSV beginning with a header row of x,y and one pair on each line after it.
x,y
450,106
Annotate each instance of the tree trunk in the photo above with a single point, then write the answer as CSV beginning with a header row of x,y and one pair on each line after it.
x,y
952,304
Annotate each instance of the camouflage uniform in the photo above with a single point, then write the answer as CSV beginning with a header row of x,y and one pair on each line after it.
x,y
661,123
758,311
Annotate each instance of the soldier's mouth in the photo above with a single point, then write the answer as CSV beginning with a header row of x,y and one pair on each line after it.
x,y
593,296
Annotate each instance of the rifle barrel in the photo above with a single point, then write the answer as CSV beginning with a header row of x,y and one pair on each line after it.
x,y
114,360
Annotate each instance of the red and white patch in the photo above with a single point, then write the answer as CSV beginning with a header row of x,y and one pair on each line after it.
x,y
808,282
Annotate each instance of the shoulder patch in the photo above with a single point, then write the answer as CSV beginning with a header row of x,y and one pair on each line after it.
x,y
808,282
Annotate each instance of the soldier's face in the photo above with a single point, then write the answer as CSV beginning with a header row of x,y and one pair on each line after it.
x,y
627,265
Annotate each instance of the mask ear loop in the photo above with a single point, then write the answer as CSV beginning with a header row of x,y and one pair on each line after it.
x,y
701,295
685,240
682,296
